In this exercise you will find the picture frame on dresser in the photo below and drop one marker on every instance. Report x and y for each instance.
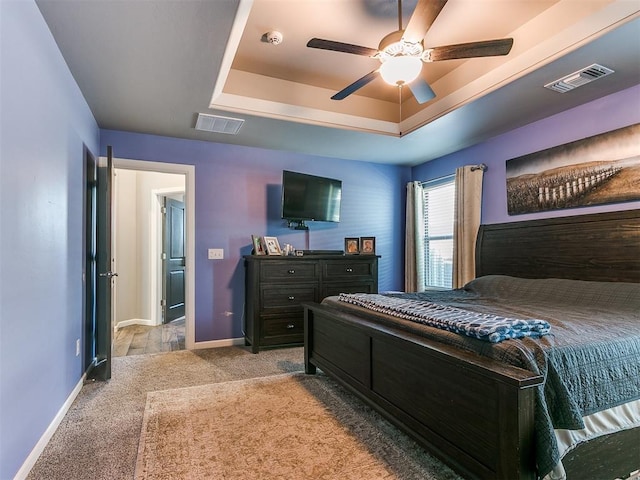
(368, 245)
(272, 246)
(352, 245)
(258, 247)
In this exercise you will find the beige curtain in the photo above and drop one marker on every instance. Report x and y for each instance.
(414, 241)
(468, 208)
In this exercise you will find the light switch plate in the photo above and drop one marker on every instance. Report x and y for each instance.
(216, 253)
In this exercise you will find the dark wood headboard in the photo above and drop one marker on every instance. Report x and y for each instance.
(597, 247)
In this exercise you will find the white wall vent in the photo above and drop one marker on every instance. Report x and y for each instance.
(218, 124)
(579, 78)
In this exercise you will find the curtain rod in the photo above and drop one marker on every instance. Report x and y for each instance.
(480, 166)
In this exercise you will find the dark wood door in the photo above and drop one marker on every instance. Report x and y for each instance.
(90, 271)
(174, 260)
(104, 328)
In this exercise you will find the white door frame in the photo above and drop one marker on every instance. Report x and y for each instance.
(189, 200)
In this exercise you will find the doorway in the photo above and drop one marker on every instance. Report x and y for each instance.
(141, 189)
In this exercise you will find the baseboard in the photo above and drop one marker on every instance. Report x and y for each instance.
(48, 433)
(135, 321)
(228, 342)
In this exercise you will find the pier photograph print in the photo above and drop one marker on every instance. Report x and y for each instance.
(601, 169)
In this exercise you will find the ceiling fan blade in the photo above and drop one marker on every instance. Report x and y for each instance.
(341, 47)
(345, 92)
(488, 48)
(422, 18)
(421, 90)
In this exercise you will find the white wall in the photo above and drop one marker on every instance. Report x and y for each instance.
(127, 264)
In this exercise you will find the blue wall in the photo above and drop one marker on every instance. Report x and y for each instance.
(237, 194)
(603, 115)
(45, 124)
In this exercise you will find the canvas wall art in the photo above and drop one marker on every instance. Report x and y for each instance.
(601, 169)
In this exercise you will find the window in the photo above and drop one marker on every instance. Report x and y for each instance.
(438, 208)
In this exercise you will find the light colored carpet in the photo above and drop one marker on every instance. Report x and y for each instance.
(291, 426)
(99, 437)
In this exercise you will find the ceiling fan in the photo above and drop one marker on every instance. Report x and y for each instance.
(402, 53)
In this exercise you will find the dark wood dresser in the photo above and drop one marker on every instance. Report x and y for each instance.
(276, 286)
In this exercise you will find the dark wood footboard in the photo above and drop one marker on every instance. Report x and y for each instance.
(472, 412)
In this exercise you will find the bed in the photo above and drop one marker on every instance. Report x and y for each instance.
(494, 410)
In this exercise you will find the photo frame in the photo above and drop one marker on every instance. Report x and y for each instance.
(368, 245)
(272, 246)
(352, 245)
(258, 247)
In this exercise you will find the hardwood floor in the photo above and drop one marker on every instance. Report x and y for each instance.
(141, 339)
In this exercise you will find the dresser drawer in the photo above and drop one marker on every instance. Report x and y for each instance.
(282, 330)
(286, 298)
(336, 288)
(288, 271)
(345, 269)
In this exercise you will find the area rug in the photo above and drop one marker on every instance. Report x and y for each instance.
(291, 426)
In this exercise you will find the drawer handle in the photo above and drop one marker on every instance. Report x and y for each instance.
(290, 326)
(292, 271)
(349, 270)
(292, 297)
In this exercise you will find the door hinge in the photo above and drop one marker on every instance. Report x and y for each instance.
(164, 210)
(164, 256)
(162, 303)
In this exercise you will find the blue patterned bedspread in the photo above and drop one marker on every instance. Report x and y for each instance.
(483, 326)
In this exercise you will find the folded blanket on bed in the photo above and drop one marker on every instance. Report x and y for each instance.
(483, 326)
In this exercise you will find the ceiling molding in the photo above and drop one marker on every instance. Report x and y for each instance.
(534, 46)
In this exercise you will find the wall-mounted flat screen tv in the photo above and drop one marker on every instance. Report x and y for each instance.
(308, 197)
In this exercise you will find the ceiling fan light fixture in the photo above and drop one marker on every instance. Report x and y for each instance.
(400, 70)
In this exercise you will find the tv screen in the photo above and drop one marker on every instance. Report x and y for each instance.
(308, 197)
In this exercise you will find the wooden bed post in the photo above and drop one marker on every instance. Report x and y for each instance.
(309, 368)
(518, 432)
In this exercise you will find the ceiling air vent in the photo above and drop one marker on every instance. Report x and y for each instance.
(579, 78)
(218, 124)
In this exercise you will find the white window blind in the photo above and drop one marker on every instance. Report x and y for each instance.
(439, 199)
